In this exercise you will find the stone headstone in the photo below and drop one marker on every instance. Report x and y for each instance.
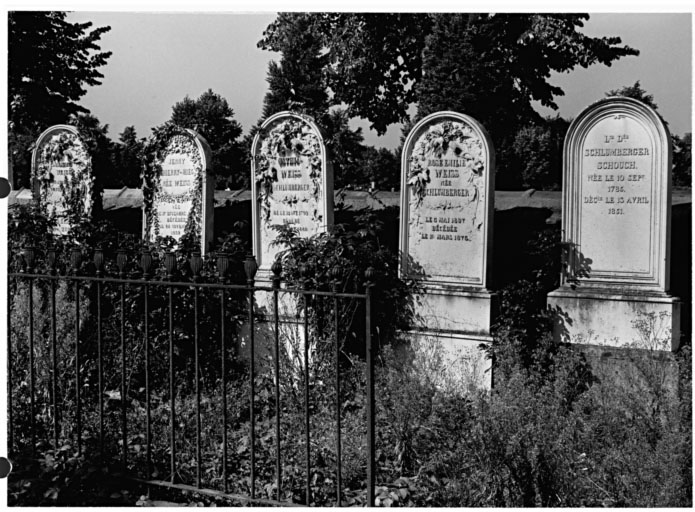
(182, 200)
(63, 177)
(292, 183)
(616, 227)
(447, 200)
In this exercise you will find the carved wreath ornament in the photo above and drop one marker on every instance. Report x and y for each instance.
(290, 137)
(76, 190)
(439, 139)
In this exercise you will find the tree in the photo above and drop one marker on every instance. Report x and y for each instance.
(383, 168)
(296, 83)
(376, 61)
(50, 62)
(491, 66)
(370, 60)
(212, 117)
(682, 160)
(126, 160)
(100, 149)
(345, 150)
(635, 91)
(681, 169)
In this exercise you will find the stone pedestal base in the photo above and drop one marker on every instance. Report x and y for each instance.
(455, 322)
(453, 309)
(291, 342)
(650, 322)
(455, 362)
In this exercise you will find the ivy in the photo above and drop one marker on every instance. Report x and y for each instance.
(165, 139)
(78, 190)
(437, 141)
(289, 137)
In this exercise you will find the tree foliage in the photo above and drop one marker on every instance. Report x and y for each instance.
(296, 83)
(377, 63)
(634, 91)
(125, 160)
(50, 63)
(490, 66)
(683, 160)
(681, 170)
(383, 168)
(211, 116)
(537, 154)
(368, 60)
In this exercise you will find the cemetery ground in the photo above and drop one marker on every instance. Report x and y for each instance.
(558, 428)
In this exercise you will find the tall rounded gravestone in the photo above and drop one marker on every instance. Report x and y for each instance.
(178, 190)
(447, 201)
(616, 230)
(291, 185)
(62, 177)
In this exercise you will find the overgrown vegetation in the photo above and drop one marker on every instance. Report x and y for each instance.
(553, 432)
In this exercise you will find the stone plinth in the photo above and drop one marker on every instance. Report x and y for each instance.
(616, 228)
(455, 362)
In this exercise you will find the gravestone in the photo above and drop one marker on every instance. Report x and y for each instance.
(616, 230)
(182, 199)
(447, 200)
(292, 183)
(62, 177)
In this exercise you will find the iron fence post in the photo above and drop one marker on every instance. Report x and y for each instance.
(251, 267)
(335, 276)
(196, 264)
(277, 272)
(371, 475)
(76, 257)
(223, 270)
(170, 263)
(99, 264)
(54, 347)
(305, 285)
(146, 264)
(29, 254)
(121, 261)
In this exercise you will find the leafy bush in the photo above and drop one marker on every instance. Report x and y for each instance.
(345, 253)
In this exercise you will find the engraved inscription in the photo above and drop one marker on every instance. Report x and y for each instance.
(616, 195)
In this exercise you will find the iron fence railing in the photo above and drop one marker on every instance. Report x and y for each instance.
(53, 367)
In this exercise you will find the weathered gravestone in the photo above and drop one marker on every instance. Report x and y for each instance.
(292, 183)
(447, 198)
(178, 196)
(292, 186)
(62, 176)
(616, 230)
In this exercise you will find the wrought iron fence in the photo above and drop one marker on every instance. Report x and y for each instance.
(127, 331)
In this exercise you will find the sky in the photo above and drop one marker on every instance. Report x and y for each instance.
(160, 57)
